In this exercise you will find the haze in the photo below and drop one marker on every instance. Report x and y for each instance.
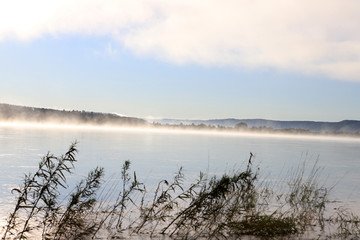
(163, 130)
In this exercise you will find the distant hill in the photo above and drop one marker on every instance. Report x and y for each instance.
(10, 113)
(346, 126)
(42, 115)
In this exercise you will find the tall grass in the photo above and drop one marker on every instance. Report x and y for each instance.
(236, 204)
(37, 204)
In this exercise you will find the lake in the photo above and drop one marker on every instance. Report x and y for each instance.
(156, 154)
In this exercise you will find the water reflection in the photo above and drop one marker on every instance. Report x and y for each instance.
(158, 153)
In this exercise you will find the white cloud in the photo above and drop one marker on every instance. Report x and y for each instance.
(313, 37)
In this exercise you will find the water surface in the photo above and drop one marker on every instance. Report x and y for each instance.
(157, 154)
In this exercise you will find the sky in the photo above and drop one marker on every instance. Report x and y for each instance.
(273, 59)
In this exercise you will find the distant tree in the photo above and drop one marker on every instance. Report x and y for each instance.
(241, 125)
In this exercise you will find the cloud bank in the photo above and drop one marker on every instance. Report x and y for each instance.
(319, 37)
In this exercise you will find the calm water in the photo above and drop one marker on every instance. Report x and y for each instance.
(158, 154)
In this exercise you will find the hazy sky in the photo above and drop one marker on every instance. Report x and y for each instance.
(193, 59)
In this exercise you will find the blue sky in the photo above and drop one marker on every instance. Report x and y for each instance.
(184, 59)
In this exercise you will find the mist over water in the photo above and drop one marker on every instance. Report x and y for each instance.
(158, 153)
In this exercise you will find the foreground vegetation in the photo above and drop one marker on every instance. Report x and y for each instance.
(235, 205)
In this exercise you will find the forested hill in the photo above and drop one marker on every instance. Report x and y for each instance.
(43, 115)
(10, 113)
(345, 126)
